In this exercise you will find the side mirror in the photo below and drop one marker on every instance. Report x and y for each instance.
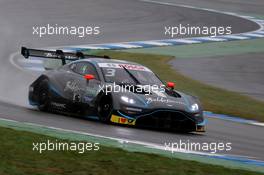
(89, 77)
(171, 85)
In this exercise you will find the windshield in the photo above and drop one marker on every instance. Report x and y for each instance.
(116, 72)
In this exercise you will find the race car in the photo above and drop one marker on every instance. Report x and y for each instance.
(114, 91)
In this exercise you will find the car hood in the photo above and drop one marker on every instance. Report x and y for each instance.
(159, 99)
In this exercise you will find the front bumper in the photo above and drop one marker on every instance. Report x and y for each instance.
(165, 119)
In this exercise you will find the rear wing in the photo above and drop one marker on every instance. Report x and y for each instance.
(57, 54)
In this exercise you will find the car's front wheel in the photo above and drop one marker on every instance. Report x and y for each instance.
(105, 108)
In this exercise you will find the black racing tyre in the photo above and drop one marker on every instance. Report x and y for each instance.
(44, 98)
(105, 108)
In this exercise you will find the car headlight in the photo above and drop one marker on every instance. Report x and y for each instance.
(194, 107)
(127, 100)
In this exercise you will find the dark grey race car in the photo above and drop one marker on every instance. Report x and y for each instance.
(114, 91)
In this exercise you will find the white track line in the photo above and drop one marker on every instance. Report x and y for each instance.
(156, 43)
(188, 41)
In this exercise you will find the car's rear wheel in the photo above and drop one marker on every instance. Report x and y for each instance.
(105, 108)
(44, 98)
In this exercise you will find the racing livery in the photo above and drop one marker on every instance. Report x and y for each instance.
(114, 91)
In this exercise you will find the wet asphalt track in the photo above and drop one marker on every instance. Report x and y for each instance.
(122, 20)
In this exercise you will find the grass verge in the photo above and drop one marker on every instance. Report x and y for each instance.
(17, 157)
(214, 99)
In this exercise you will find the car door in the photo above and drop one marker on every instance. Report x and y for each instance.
(79, 89)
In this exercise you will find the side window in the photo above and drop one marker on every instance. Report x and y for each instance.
(84, 68)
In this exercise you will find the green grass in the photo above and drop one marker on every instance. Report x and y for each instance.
(17, 158)
(214, 99)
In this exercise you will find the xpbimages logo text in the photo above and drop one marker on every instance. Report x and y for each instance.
(190, 146)
(51, 145)
(175, 31)
(78, 31)
(148, 89)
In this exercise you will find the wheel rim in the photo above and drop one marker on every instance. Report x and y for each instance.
(105, 109)
(43, 99)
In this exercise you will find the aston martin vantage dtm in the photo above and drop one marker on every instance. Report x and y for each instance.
(114, 91)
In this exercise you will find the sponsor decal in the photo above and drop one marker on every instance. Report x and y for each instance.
(122, 120)
(72, 86)
(163, 100)
(122, 65)
(58, 105)
(200, 128)
(51, 55)
(160, 93)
